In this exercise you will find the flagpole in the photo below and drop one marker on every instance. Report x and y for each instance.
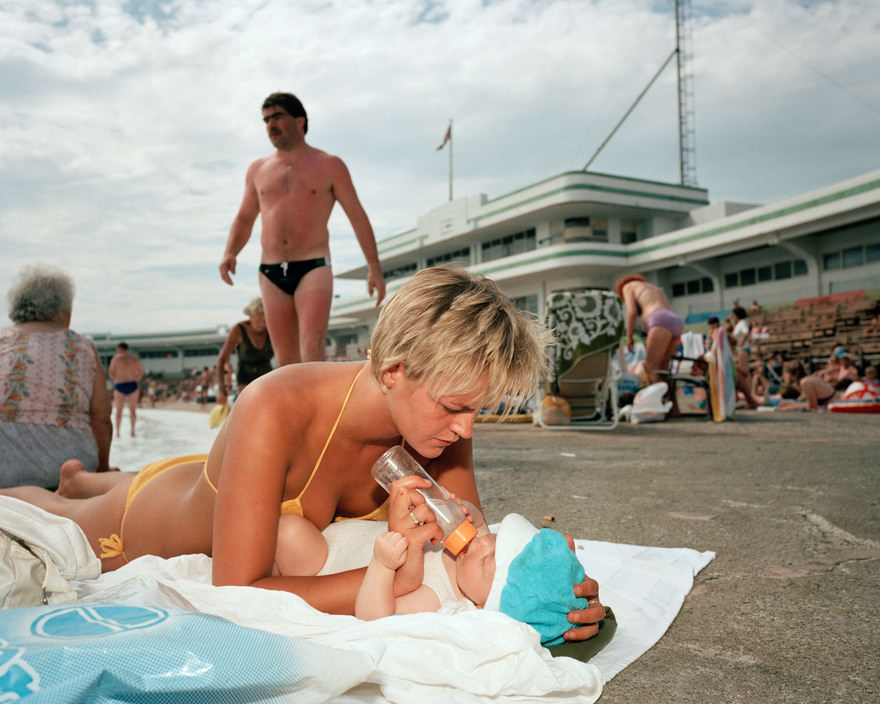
(450, 158)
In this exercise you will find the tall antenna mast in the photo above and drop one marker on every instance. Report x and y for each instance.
(687, 148)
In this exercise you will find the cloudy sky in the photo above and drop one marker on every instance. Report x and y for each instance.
(126, 126)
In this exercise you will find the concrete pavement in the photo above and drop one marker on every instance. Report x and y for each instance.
(789, 611)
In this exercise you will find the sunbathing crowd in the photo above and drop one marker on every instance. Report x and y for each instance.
(776, 381)
(791, 383)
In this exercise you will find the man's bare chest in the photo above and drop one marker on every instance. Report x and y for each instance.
(300, 182)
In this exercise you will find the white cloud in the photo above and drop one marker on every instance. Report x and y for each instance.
(126, 127)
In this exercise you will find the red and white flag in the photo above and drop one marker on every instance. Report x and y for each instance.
(446, 137)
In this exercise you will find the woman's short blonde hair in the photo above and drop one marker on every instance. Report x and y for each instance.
(449, 328)
(254, 307)
(40, 292)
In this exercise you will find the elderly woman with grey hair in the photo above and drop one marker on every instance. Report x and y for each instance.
(54, 405)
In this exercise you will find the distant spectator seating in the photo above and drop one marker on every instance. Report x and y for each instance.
(813, 327)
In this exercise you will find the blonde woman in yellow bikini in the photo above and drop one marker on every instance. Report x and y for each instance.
(303, 438)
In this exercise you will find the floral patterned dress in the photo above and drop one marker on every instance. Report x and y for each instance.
(46, 384)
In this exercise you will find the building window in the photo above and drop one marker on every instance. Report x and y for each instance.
(778, 271)
(853, 256)
(400, 272)
(628, 231)
(527, 303)
(694, 287)
(509, 245)
(202, 352)
(459, 256)
(782, 270)
(831, 261)
(594, 229)
(154, 354)
(600, 228)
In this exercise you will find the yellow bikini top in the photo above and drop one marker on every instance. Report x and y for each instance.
(380, 513)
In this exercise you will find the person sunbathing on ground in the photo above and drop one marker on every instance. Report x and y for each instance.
(831, 369)
(760, 387)
(816, 393)
(303, 438)
(847, 372)
(785, 392)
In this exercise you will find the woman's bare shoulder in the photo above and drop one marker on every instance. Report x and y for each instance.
(301, 389)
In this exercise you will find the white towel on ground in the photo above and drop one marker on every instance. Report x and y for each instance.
(471, 656)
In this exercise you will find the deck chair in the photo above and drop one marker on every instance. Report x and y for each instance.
(718, 381)
(588, 326)
(689, 368)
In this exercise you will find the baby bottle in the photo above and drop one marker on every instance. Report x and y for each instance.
(397, 463)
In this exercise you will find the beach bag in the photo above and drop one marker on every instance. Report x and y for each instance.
(648, 405)
(555, 410)
(40, 553)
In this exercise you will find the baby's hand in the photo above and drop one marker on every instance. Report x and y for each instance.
(390, 550)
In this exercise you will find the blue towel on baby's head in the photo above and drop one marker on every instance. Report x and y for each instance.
(539, 589)
(535, 572)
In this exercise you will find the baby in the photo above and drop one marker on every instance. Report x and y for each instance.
(527, 573)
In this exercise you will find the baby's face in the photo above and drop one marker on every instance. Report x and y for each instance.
(475, 569)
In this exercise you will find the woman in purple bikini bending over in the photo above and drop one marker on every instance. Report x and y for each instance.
(662, 325)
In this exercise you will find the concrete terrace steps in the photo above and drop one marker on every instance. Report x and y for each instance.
(814, 327)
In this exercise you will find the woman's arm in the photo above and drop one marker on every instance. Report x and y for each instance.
(232, 341)
(632, 313)
(99, 417)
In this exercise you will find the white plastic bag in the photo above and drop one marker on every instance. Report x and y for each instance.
(648, 406)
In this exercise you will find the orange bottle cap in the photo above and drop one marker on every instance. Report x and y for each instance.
(458, 539)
